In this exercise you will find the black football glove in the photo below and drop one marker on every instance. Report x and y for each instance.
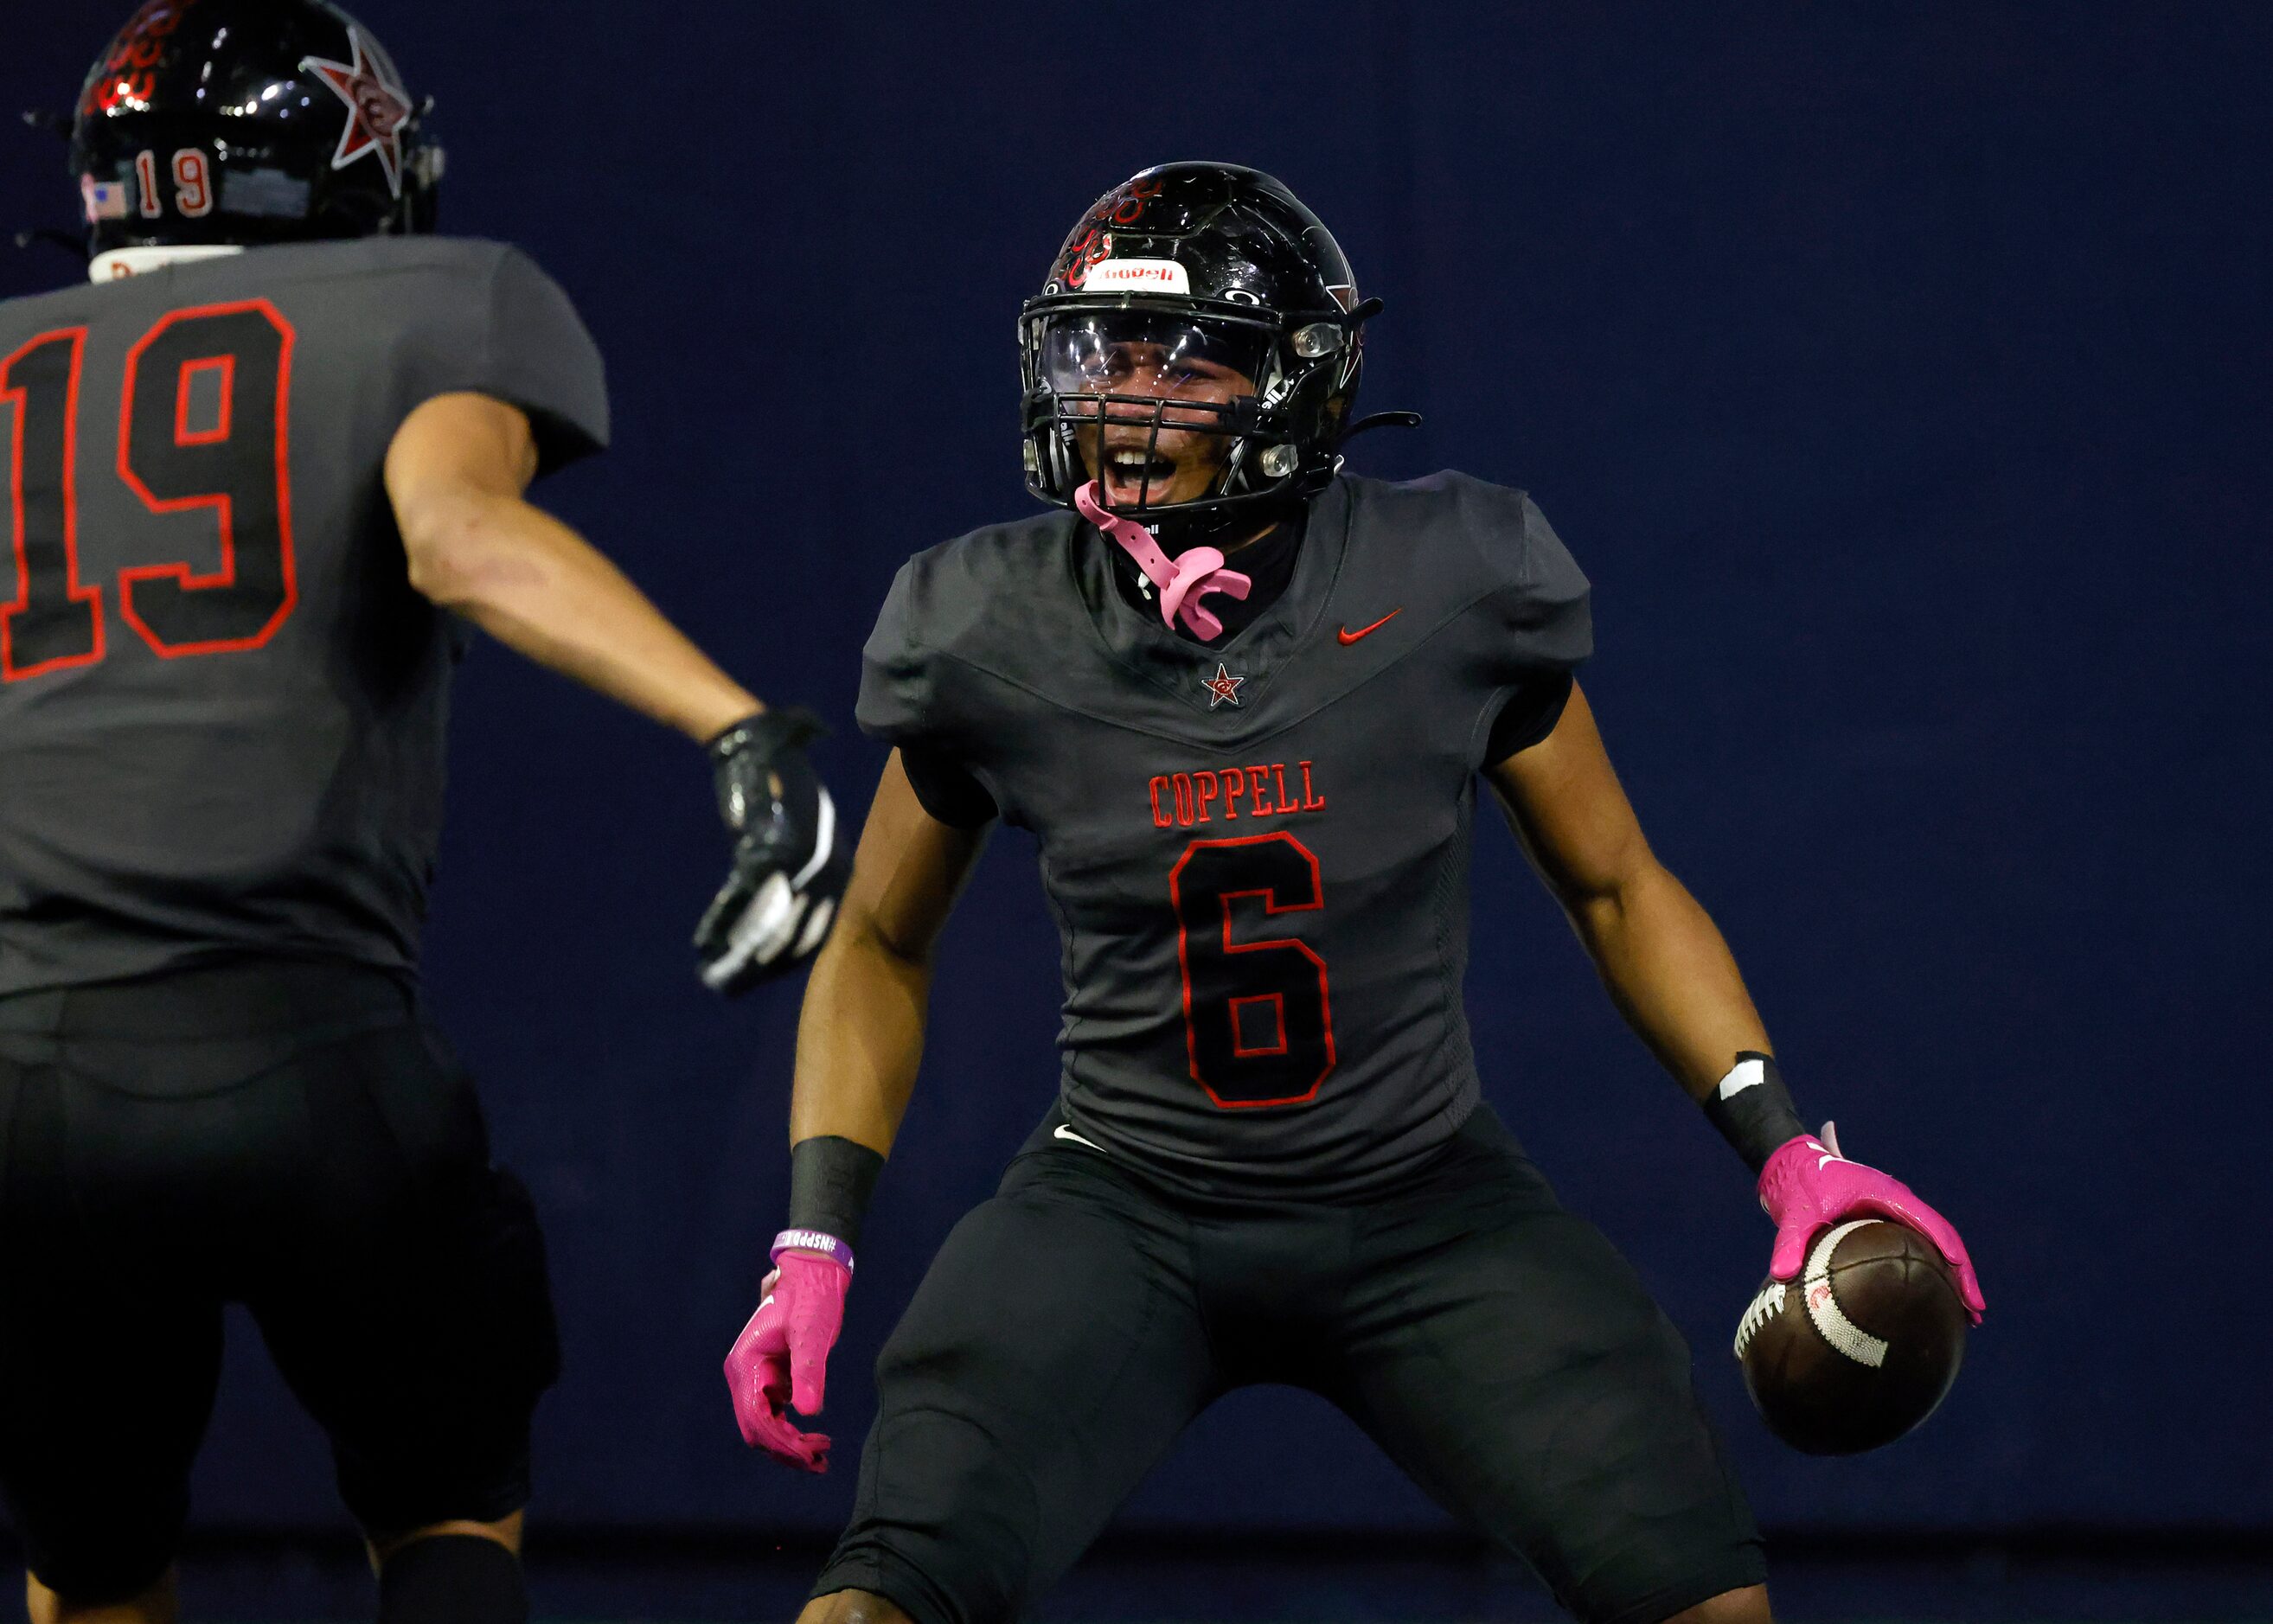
(791, 858)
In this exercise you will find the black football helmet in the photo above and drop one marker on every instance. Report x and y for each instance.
(1219, 263)
(249, 121)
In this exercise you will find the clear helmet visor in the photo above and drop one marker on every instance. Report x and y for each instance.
(1122, 362)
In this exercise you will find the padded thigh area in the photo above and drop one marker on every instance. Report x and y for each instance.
(292, 1137)
(1052, 1355)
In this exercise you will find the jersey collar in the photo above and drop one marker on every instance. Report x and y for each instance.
(1136, 640)
(119, 263)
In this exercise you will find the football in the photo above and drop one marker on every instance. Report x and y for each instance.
(1862, 1347)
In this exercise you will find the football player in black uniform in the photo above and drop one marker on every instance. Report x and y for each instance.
(1241, 700)
(253, 469)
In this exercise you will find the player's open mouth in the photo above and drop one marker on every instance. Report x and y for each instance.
(1128, 471)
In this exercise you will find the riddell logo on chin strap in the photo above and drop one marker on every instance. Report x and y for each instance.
(1180, 800)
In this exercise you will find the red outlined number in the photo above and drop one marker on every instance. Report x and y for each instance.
(1258, 1014)
(202, 428)
(53, 622)
(236, 465)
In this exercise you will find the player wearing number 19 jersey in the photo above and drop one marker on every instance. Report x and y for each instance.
(254, 467)
(1241, 700)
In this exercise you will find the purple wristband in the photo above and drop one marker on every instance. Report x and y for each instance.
(811, 1241)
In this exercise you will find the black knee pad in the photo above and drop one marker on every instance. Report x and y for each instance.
(453, 1579)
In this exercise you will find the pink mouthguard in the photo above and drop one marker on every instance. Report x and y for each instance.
(1182, 581)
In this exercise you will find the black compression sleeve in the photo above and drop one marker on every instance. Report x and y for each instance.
(1752, 1108)
(946, 790)
(1528, 715)
(829, 1182)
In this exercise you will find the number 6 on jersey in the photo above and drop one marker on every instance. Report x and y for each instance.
(1257, 1015)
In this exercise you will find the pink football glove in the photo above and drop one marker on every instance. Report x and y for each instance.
(1808, 1185)
(780, 1362)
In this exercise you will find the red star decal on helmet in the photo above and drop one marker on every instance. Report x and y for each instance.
(1222, 687)
(377, 107)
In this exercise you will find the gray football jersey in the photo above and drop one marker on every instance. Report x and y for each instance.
(1257, 853)
(221, 705)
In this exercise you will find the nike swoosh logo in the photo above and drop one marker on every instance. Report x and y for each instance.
(1349, 637)
(1066, 1133)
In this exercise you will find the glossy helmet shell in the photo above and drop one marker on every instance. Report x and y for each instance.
(1250, 252)
(263, 121)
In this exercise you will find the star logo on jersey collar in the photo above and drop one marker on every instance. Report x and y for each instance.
(377, 107)
(1222, 687)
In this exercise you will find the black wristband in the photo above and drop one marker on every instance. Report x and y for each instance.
(1752, 1108)
(829, 1182)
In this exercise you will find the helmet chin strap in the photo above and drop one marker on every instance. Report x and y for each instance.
(1182, 580)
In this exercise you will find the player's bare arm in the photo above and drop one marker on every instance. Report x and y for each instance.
(859, 1041)
(456, 472)
(859, 1037)
(1663, 961)
(1672, 978)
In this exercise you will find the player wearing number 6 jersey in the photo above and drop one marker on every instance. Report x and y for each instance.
(253, 469)
(1241, 700)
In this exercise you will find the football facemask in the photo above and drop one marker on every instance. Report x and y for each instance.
(1155, 403)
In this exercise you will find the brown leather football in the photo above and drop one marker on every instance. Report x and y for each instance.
(1860, 1347)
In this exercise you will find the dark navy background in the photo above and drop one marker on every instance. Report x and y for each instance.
(1898, 375)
